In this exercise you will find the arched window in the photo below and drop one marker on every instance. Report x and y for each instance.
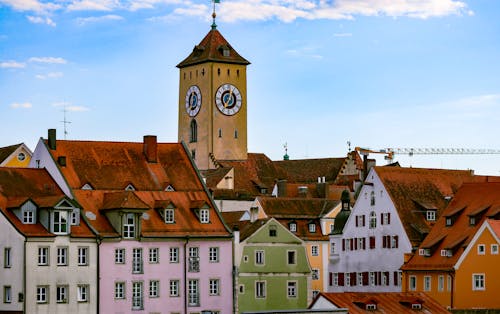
(373, 220)
(372, 198)
(194, 132)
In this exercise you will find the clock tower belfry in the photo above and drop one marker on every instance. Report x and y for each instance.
(213, 102)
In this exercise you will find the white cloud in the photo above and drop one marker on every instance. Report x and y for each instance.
(304, 52)
(342, 35)
(12, 65)
(97, 19)
(53, 60)
(31, 5)
(25, 105)
(94, 5)
(49, 75)
(69, 107)
(41, 20)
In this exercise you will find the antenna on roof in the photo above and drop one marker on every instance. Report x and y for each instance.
(348, 146)
(214, 26)
(65, 122)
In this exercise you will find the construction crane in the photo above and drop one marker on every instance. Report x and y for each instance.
(390, 152)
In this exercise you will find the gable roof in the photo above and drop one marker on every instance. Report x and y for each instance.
(19, 185)
(5, 152)
(309, 170)
(114, 165)
(210, 49)
(413, 190)
(284, 207)
(386, 302)
(469, 198)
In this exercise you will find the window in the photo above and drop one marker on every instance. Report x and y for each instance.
(347, 279)
(335, 280)
(193, 154)
(137, 295)
(481, 249)
(7, 294)
(260, 289)
(241, 289)
(373, 220)
(29, 216)
(62, 294)
(372, 198)
(193, 292)
(440, 283)
(220, 132)
(449, 221)
(194, 259)
(129, 226)
(372, 278)
(360, 279)
(312, 227)
(413, 283)
(394, 242)
(235, 133)
(315, 293)
(259, 257)
(494, 249)
(119, 256)
(82, 293)
(360, 221)
(213, 255)
(448, 284)
(174, 255)
(430, 215)
(291, 257)
(154, 287)
(213, 287)
(314, 250)
(293, 227)
(60, 222)
(83, 253)
(291, 289)
(62, 256)
(74, 217)
(204, 216)
(472, 220)
(478, 282)
(41, 294)
(386, 218)
(427, 283)
(315, 274)
(137, 264)
(119, 290)
(169, 216)
(43, 256)
(7, 263)
(272, 231)
(174, 288)
(154, 255)
(193, 134)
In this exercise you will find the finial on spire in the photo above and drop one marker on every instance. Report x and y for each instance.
(286, 157)
(214, 26)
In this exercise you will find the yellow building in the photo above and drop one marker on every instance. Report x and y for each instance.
(18, 155)
(457, 263)
(213, 102)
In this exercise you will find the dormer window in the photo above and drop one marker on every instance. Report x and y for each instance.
(87, 187)
(60, 222)
(204, 216)
(449, 221)
(430, 215)
(312, 227)
(75, 217)
(169, 188)
(129, 226)
(169, 216)
(371, 307)
(28, 213)
(293, 227)
(416, 306)
(472, 220)
(130, 187)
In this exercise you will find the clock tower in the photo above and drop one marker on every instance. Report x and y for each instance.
(213, 102)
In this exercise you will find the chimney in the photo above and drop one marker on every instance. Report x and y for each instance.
(321, 189)
(52, 139)
(150, 148)
(282, 188)
(236, 234)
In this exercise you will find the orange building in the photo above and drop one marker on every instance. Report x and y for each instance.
(457, 263)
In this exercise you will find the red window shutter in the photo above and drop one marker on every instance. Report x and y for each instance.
(386, 274)
(357, 221)
(365, 278)
(376, 278)
(353, 279)
(343, 244)
(330, 279)
(383, 242)
(341, 279)
(379, 278)
(395, 278)
(356, 243)
(372, 242)
(363, 220)
(364, 243)
(381, 218)
(352, 244)
(388, 218)
(396, 240)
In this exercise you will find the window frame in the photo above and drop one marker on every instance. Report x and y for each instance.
(292, 289)
(214, 286)
(154, 288)
(82, 293)
(260, 257)
(291, 257)
(204, 216)
(128, 228)
(7, 294)
(174, 287)
(169, 215)
(372, 220)
(430, 215)
(120, 256)
(42, 294)
(193, 292)
(174, 254)
(120, 290)
(478, 282)
(60, 220)
(83, 256)
(213, 254)
(137, 295)
(62, 256)
(494, 249)
(481, 249)
(154, 255)
(315, 274)
(412, 283)
(62, 294)
(260, 289)
(314, 250)
(7, 257)
(427, 283)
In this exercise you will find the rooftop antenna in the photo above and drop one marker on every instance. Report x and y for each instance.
(65, 122)
(214, 26)
(348, 146)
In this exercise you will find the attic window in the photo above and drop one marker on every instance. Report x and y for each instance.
(430, 215)
(130, 187)
(447, 253)
(371, 307)
(21, 156)
(169, 188)
(60, 222)
(312, 227)
(424, 252)
(29, 213)
(293, 227)
(272, 231)
(87, 187)
(204, 216)
(472, 220)
(224, 50)
(169, 215)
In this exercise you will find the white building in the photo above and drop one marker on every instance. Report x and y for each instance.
(394, 211)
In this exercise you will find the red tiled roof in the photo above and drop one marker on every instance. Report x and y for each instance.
(284, 207)
(495, 225)
(18, 185)
(470, 198)
(387, 302)
(410, 187)
(122, 200)
(308, 170)
(303, 229)
(210, 49)
(113, 165)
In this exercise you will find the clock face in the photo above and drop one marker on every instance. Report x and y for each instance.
(228, 99)
(193, 100)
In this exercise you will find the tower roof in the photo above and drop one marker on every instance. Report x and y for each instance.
(213, 48)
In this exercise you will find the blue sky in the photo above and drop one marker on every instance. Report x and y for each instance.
(376, 73)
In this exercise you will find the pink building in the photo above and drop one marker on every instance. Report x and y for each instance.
(163, 246)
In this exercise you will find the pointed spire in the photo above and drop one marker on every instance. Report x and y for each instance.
(214, 26)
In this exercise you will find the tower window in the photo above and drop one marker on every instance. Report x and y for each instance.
(190, 74)
(235, 133)
(202, 72)
(220, 132)
(218, 71)
(193, 136)
(228, 72)
(238, 73)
